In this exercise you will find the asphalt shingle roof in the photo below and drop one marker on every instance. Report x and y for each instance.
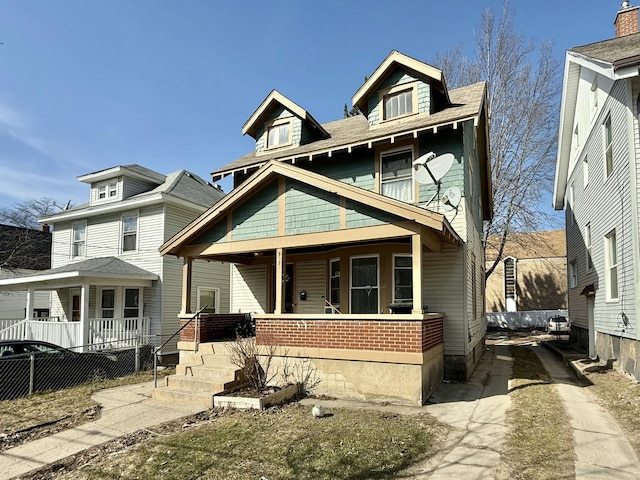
(616, 51)
(466, 102)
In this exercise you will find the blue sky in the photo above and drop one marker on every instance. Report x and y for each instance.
(86, 85)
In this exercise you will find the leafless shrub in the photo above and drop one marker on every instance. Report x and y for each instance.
(300, 370)
(255, 360)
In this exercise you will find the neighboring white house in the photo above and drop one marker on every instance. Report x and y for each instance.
(597, 175)
(106, 265)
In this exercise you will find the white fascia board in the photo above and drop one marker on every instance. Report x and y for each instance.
(567, 114)
(63, 278)
(598, 66)
(96, 210)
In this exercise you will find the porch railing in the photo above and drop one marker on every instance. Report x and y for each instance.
(118, 332)
(104, 332)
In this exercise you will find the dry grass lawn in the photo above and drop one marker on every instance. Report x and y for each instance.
(539, 444)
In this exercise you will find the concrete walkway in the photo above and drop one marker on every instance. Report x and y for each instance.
(475, 409)
(602, 450)
(124, 410)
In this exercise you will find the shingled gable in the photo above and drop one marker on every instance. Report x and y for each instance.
(391, 63)
(274, 99)
(424, 218)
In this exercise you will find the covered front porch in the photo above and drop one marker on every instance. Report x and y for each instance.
(94, 304)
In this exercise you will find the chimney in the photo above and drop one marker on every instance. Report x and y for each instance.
(45, 228)
(626, 20)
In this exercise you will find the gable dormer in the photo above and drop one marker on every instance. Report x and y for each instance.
(279, 123)
(121, 182)
(401, 86)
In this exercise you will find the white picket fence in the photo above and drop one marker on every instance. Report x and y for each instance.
(104, 333)
(521, 320)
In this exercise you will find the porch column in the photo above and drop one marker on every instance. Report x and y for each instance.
(29, 306)
(416, 270)
(280, 271)
(84, 316)
(187, 270)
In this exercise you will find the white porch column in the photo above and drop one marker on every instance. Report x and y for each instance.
(416, 270)
(187, 271)
(84, 316)
(28, 309)
(280, 271)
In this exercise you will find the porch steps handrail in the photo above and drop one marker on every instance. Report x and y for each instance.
(157, 349)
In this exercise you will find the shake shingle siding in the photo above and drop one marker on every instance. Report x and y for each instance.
(258, 216)
(309, 209)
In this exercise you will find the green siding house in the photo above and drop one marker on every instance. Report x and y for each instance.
(356, 244)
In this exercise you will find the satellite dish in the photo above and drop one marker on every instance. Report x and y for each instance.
(451, 198)
(430, 169)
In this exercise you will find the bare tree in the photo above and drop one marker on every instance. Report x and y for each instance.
(523, 96)
(22, 244)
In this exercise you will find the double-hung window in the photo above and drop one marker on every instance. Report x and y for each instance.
(108, 303)
(208, 297)
(396, 174)
(611, 258)
(107, 190)
(587, 242)
(573, 274)
(402, 279)
(608, 147)
(364, 285)
(129, 233)
(585, 171)
(279, 134)
(78, 240)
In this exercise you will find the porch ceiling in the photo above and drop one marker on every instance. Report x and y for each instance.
(95, 271)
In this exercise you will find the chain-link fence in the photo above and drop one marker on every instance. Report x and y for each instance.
(30, 366)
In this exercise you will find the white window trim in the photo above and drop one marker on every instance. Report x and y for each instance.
(609, 266)
(393, 274)
(140, 301)
(606, 147)
(110, 186)
(585, 171)
(515, 280)
(414, 192)
(117, 301)
(339, 276)
(216, 307)
(588, 244)
(73, 242)
(573, 274)
(395, 89)
(377, 287)
(122, 217)
(276, 123)
(571, 203)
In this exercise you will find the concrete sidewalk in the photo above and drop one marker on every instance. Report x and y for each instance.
(124, 410)
(602, 450)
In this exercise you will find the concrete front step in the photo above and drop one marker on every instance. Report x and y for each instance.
(196, 384)
(175, 395)
(214, 373)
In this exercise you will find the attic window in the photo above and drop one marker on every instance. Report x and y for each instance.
(399, 101)
(107, 190)
(279, 134)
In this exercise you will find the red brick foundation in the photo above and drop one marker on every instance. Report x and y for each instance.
(379, 335)
(211, 327)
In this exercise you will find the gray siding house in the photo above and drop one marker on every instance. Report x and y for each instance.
(109, 283)
(597, 183)
(356, 243)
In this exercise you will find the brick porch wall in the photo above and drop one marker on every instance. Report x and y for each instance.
(211, 327)
(411, 335)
